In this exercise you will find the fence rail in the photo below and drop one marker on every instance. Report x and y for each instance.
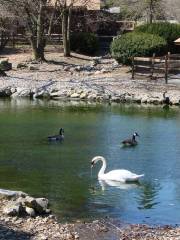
(148, 66)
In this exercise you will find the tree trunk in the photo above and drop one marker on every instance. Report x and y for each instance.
(151, 11)
(65, 31)
(36, 32)
(38, 52)
(52, 18)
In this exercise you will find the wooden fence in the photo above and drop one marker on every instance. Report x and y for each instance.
(167, 66)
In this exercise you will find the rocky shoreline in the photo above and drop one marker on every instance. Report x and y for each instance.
(99, 80)
(17, 224)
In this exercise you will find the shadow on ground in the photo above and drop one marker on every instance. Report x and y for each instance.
(7, 233)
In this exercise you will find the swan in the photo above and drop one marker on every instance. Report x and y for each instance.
(120, 175)
(131, 141)
(59, 137)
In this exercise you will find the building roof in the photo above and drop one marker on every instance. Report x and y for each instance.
(177, 41)
(89, 4)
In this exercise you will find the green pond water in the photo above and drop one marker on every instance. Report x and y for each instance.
(61, 171)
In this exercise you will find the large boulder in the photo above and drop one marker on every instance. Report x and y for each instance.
(11, 194)
(5, 65)
(13, 209)
(22, 92)
(5, 92)
(38, 204)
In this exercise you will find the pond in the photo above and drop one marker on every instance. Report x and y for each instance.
(61, 171)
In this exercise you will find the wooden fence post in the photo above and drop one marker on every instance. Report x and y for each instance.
(167, 67)
(133, 68)
(152, 65)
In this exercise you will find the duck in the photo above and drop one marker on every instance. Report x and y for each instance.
(59, 137)
(119, 175)
(131, 141)
(166, 100)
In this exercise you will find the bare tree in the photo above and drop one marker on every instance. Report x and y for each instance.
(148, 10)
(65, 7)
(32, 14)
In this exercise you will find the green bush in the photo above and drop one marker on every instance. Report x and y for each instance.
(84, 42)
(124, 47)
(169, 31)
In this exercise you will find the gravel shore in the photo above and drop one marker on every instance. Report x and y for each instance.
(82, 78)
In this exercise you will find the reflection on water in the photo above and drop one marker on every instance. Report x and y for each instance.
(120, 185)
(148, 194)
(61, 172)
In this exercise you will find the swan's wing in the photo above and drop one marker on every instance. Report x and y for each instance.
(122, 175)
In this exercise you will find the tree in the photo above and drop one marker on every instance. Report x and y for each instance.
(148, 10)
(65, 8)
(33, 15)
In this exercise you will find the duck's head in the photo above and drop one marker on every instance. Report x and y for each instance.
(164, 94)
(136, 134)
(61, 131)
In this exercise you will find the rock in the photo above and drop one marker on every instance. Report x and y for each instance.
(5, 92)
(66, 68)
(33, 68)
(41, 205)
(13, 209)
(41, 94)
(175, 100)
(30, 211)
(38, 204)
(57, 94)
(107, 97)
(13, 90)
(128, 98)
(48, 211)
(92, 96)
(115, 99)
(75, 95)
(21, 92)
(83, 95)
(103, 70)
(78, 68)
(29, 201)
(5, 65)
(11, 194)
(97, 72)
(94, 62)
(21, 66)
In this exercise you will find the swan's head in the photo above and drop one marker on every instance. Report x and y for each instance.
(95, 160)
(61, 131)
(136, 134)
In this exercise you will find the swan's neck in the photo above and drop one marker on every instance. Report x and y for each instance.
(103, 168)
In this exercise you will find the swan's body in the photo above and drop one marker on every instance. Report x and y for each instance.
(59, 137)
(131, 141)
(119, 175)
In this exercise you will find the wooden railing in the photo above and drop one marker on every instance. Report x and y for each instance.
(165, 66)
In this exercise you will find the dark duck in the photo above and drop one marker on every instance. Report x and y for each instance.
(59, 137)
(166, 100)
(131, 141)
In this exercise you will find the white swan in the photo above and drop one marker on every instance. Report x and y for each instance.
(120, 175)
